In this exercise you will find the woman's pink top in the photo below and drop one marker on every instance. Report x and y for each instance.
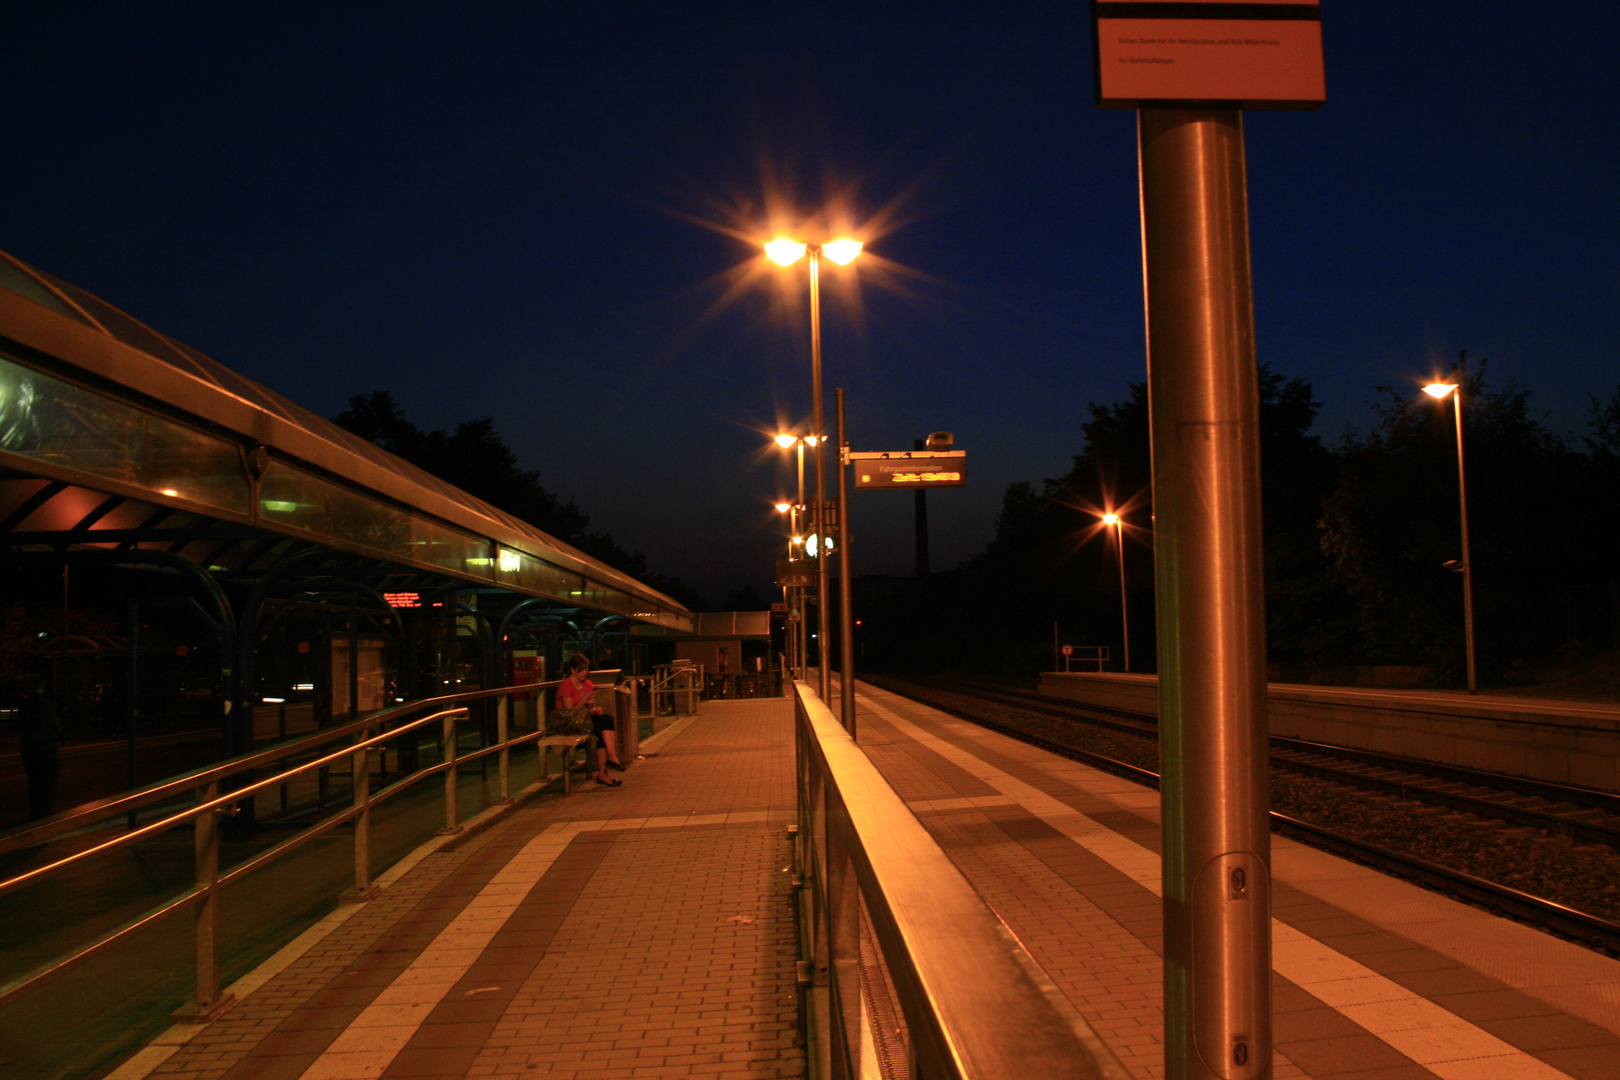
(570, 698)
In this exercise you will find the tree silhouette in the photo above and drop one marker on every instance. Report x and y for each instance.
(477, 460)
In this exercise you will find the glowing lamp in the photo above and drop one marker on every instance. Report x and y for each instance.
(843, 251)
(785, 252)
(782, 508)
(1439, 390)
(1110, 519)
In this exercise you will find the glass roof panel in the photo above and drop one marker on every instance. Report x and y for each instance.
(126, 329)
(25, 285)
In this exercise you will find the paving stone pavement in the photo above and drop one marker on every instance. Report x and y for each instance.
(635, 931)
(1373, 978)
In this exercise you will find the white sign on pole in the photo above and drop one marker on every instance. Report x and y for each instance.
(1262, 54)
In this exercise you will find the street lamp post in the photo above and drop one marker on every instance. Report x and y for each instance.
(792, 510)
(1440, 391)
(786, 253)
(1118, 524)
(785, 441)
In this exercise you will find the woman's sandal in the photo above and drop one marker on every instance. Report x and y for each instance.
(615, 766)
(609, 783)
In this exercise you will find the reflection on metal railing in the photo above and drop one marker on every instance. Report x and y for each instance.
(371, 733)
(975, 1005)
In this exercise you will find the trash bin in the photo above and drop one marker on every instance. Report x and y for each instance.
(624, 718)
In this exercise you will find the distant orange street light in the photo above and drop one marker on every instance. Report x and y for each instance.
(1118, 524)
(1440, 391)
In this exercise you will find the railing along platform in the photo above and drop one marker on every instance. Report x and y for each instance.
(214, 793)
(976, 1006)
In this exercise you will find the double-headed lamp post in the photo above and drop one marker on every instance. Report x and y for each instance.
(1118, 525)
(785, 253)
(1440, 391)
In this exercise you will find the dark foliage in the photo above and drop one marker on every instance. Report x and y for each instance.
(1355, 538)
(477, 460)
(1540, 520)
(1052, 560)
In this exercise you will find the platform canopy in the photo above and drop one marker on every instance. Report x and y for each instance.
(116, 436)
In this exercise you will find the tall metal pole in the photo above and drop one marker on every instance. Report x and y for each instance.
(1124, 609)
(846, 615)
(1204, 408)
(1467, 562)
(798, 590)
(818, 518)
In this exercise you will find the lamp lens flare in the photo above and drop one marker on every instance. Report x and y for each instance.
(1439, 390)
(785, 252)
(1110, 519)
(785, 441)
(782, 508)
(843, 251)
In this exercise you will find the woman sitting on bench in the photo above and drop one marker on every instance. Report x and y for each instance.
(578, 692)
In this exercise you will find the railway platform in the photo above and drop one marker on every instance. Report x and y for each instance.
(648, 930)
(639, 930)
(1374, 979)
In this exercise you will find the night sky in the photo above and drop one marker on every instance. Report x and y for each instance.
(548, 213)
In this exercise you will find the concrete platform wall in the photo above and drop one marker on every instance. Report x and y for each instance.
(1563, 742)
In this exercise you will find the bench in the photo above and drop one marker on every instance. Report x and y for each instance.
(563, 746)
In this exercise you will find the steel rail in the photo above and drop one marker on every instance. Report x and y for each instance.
(1593, 931)
(1484, 807)
(1136, 722)
(1596, 832)
(1462, 774)
(1586, 929)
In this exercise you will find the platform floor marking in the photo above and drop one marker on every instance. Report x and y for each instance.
(369, 1045)
(1435, 1038)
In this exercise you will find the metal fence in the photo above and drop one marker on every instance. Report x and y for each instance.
(217, 791)
(972, 1002)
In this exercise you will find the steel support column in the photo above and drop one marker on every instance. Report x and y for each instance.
(1204, 404)
(846, 609)
(823, 677)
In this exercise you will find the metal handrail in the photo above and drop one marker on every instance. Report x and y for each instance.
(223, 801)
(79, 817)
(204, 785)
(976, 1005)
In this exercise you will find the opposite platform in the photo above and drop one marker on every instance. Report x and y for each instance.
(1374, 979)
(640, 930)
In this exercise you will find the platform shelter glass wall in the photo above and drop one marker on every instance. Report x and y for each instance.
(50, 420)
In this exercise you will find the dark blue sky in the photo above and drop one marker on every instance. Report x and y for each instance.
(546, 213)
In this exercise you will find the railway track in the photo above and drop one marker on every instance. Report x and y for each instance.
(1523, 809)
(1581, 813)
